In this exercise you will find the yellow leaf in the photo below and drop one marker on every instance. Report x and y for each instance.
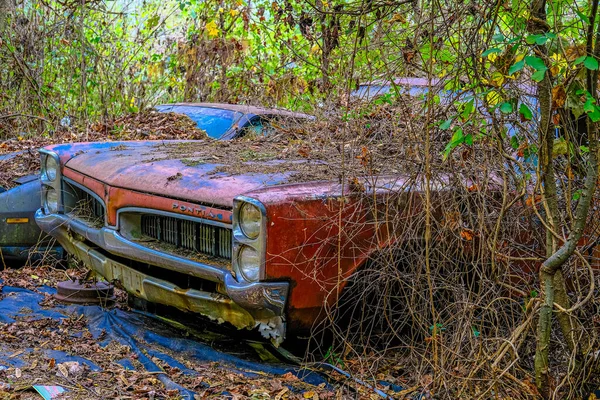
(221, 10)
(35, 277)
(497, 79)
(492, 57)
(519, 57)
(493, 98)
(397, 17)
(233, 13)
(212, 29)
(309, 394)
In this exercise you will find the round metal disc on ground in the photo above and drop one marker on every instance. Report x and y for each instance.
(84, 293)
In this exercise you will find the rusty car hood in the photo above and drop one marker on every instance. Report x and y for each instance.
(149, 167)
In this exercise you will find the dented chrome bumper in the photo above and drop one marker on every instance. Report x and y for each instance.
(243, 304)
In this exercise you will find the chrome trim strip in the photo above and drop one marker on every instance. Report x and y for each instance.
(111, 241)
(118, 245)
(141, 210)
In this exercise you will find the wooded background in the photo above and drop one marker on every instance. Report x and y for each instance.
(512, 98)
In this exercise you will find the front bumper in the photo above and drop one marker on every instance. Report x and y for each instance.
(244, 305)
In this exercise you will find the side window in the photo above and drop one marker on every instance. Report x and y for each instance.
(259, 127)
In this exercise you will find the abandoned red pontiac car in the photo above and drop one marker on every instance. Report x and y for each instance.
(252, 248)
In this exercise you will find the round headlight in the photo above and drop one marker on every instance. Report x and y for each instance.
(250, 220)
(249, 263)
(51, 201)
(51, 168)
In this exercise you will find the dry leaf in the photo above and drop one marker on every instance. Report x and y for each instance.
(281, 393)
(63, 370)
(16, 354)
(18, 372)
(467, 234)
(559, 96)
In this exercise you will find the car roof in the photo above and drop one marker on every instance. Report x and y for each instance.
(402, 82)
(245, 109)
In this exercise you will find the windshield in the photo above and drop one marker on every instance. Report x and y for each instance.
(215, 121)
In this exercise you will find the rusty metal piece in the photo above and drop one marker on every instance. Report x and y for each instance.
(79, 293)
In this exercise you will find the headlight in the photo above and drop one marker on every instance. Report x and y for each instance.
(250, 220)
(51, 201)
(51, 168)
(249, 263)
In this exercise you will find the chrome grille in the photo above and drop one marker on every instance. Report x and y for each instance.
(190, 235)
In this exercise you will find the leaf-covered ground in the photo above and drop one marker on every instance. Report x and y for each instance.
(31, 340)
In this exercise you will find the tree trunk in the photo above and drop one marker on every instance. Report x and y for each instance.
(551, 271)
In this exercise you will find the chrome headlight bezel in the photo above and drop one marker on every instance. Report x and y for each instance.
(241, 239)
(250, 228)
(50, 168)
(50, 184)
(50, 209)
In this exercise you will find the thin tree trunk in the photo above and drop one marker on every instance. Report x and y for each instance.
(551, 277)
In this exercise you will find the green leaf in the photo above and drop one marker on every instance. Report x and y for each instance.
(457, 139)
(590, 63)
(595, 115)
(584, 149)
(535, 63)
(446, 124)
(577, 195)
(525, 112)
(531, 39)
(506, 108)
(514, 142)
(551, 35)
(469, 140)
(498, 37)
(152, 21)
(538, 76)
(541, 40)
(583, 17)
(516, 67)
(467, 110)
(491, 51)
(579, 60)
(589, 104)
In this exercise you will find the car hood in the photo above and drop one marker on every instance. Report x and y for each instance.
(153, 167)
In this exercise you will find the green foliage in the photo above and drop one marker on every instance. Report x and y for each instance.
(525, 112)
